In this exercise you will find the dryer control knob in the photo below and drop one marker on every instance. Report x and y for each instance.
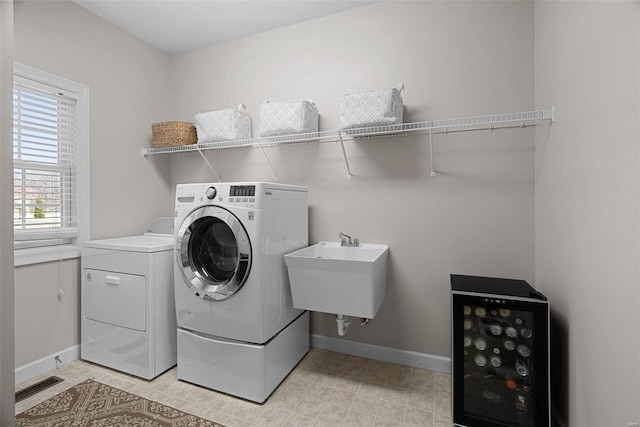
(211, 193)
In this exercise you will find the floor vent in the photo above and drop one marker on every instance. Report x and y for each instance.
(37, 388)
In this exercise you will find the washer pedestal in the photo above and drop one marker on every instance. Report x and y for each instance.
(249, 371)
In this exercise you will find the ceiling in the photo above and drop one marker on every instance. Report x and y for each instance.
(179, 26)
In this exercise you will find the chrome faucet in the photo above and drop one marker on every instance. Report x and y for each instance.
(344, 242)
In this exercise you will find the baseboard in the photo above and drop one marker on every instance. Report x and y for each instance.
(371, 351)
(46, 364)
(385, 354)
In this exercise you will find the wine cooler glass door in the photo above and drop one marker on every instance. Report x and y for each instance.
(500, 361)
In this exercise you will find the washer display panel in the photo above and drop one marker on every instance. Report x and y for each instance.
(214, 253)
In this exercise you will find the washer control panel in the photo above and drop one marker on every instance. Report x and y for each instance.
(246, 195)
(242, 194)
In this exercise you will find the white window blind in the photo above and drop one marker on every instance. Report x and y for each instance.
(45, 160)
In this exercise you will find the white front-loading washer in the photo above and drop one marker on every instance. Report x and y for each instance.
(237, 329)
(128, 320)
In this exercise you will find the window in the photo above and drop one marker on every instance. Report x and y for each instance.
(50, 152)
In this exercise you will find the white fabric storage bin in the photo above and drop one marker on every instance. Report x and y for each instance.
(223, 125)
(381, 107)
(288, 117)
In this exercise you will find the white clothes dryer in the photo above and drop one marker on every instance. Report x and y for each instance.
(233, 301)
(128, 318)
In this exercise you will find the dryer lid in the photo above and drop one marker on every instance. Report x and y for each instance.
(142, 243)
(158, 237)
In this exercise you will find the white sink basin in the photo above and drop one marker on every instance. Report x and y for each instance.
(336, 279)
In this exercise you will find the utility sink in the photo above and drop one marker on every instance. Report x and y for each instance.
(343, 280)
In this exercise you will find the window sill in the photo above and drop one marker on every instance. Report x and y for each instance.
(39, 255)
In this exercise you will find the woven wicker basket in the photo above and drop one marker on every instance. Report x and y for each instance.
(167, 134)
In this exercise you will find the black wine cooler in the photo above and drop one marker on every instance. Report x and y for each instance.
(500, 353)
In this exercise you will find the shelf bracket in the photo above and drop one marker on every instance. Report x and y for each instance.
(209, 164)
(549, 114)
(275, 174)
(344, 154)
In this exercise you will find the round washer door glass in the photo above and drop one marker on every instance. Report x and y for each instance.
(214, 253)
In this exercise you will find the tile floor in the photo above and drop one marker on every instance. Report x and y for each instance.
(325, 389)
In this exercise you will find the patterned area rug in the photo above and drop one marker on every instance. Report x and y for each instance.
(91, 403)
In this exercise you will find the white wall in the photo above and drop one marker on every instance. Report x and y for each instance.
(587, 218)
(6, 213)
(46, 323)
(456, 59)
(129, 89)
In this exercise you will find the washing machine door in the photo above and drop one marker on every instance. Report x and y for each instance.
(213, 252)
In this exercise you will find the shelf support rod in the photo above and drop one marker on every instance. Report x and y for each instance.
(209, 164)
(275, 174)
(344, 154)
(433, 170)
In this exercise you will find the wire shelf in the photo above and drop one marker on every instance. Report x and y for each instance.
(432, 127)
(488, 122)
